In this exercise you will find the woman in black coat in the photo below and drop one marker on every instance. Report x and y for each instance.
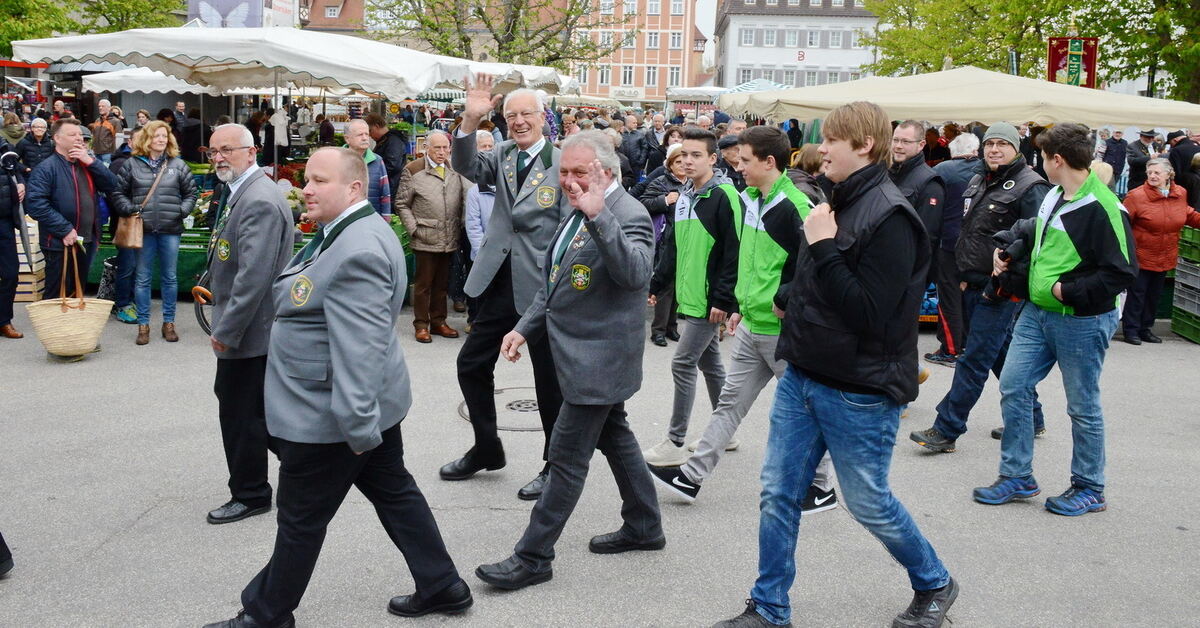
(654, 158)
(659, 197)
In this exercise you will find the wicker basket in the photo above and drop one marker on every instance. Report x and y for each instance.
(69, 327)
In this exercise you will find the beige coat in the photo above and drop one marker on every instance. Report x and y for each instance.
(432, 207)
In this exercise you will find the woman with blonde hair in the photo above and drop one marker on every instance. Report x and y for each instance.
(803, 171)
(157, 184)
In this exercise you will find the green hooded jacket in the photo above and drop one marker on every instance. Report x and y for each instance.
(769, 237)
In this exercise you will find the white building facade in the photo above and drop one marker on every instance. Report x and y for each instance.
(793, 42)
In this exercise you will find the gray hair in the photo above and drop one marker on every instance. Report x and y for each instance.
(1163, 163)
(38, 122)
(480, 134)
(244, 133)
(964, 144)
(538, 95)
(432, 132)
(359, 121)
(600, 145)
(614, 135)
(105, 101)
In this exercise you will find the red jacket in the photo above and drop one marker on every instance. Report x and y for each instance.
(1157, 221)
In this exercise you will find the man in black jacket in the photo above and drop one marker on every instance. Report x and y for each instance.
(1141, 152)
(850, 342)
(12, 191)
(1010, 190)
(390, 144)
(1180, 156)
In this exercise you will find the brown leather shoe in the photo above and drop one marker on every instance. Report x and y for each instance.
(143, 335)
(422, 335)
(8, 331)
(168, 332)
(460, 306)
(445, 331)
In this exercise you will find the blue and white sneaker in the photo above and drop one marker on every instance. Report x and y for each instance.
(127, 314)
(1076, 501)
(1004, 490)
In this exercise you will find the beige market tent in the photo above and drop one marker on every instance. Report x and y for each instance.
(966, 94)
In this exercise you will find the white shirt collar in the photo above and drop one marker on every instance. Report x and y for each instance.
(431, 164)
(536, 149)
(345, 212)
(612, 187)
(237, 183)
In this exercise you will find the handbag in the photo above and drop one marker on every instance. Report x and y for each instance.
(69, 326)
(129, 228)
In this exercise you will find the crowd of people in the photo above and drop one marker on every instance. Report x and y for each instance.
(557, 231)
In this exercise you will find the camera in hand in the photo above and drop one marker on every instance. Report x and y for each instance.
(9, 162)
(1013, 282)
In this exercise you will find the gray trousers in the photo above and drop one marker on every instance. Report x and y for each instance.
(752, 364)
(578, 432)
(698, 348)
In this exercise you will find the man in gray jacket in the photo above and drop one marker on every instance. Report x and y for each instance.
(333, 420)
(589, 308)
(507, 270)
(251, 243)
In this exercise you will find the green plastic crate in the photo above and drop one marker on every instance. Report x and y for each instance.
(1186, 325)
(1189, 251)
(1190, 235)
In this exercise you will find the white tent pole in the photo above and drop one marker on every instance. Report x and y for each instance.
(275, 140)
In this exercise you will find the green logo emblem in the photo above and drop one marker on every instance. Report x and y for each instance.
(546, 196)
(223, 249)
(581, 277)
(301, 290)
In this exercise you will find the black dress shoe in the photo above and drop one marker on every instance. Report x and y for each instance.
(659, 339)
(511, 575)
(533, 490)
(244, 620)
(233, 510)
(1132, 339)
(455, 598)
(469, 465)
(6, 566)
(1148, 336)
(672, 335)
(617, 542)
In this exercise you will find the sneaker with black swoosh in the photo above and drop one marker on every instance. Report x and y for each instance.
(817, 500)
(674, 479)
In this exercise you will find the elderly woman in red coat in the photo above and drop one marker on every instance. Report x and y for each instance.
(1158, 211)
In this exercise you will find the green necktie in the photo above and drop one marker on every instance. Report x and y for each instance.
(222, 217)
(522, 157)
(310, 249)
(568, 236)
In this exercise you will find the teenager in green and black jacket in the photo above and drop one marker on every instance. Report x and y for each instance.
(701, 256)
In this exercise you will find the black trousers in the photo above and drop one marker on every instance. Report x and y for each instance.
(54, 268)
(239, 389)
(5, 553)
(950, 330)
(477, 369)
(8, 270)
(313, 481)
(1141, 303)
(579, 432)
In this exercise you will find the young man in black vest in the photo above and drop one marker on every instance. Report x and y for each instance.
(850, 340)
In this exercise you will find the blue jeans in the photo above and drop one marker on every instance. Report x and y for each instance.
(1078, 345)
(859, 431)
(990, 326)
(127, 264)
(164, 249)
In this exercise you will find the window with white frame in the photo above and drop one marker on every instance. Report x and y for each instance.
(673, 74)
(333, 12)
(606, 39)
(581, 74)
(630, 41)
(833, 77)
(751, 2)
(839, 3)
(630, 7)
(789, 77)
(772, 3)
(652, 41)
(793, 3)
(854, 76)
(653, 7)
(815, 3)
(769, 37)
(627, 75)
(859, 3)
(814, 39)
(856, 39)
(676, 41)
(810, 78)
(605, 77)
(606, 6)
(747, 36)
(745, 74)
(791, 39)
(651, 76)
(676, 7)
(835, 39)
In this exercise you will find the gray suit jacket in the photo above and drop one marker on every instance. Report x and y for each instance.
(595, 311)
(523, 220)
(253, 246)
(335, 369)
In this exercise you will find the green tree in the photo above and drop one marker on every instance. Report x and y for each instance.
(1155, 38)
(30, 19)
(555, 33)
(110, 16)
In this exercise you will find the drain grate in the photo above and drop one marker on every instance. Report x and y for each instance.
(517, 410)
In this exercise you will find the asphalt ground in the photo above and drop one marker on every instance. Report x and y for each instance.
(109, 465)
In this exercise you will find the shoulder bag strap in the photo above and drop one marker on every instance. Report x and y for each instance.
(153, 186)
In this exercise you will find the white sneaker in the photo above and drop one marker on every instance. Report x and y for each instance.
(666, 454)
(732, 445)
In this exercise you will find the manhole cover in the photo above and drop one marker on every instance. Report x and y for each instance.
(516, 410)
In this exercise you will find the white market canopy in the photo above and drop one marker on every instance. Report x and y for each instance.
(967, 94)
(756, 85)
(694, 94)
(588, 101)
(230, 58)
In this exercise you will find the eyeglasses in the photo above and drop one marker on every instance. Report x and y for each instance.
(226, 152)
(526, 115)
(899, 140)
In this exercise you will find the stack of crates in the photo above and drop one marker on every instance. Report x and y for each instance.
(31, 272)
(1185, 315)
